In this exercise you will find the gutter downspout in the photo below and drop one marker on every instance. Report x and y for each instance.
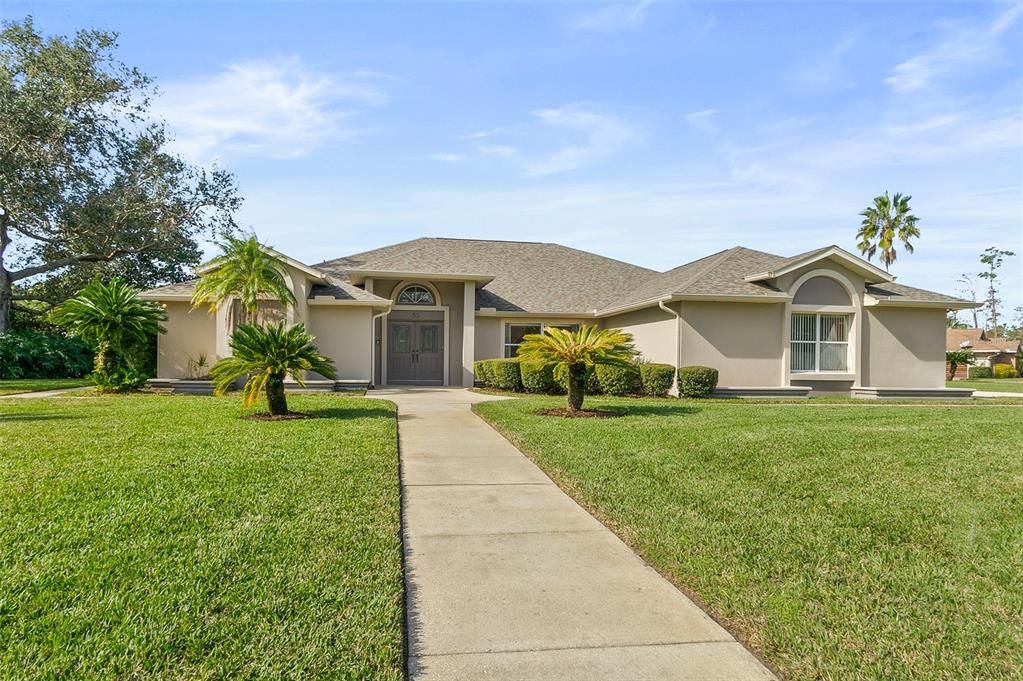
(678, 340)
(373, 345)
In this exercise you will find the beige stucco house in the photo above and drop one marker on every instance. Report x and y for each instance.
(421, 312)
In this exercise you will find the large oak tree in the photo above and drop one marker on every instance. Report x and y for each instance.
(86, 181)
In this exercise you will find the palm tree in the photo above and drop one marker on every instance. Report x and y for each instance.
(267, 356)
(577, 353)
(112, 317)
(245, 270)
(886, 220)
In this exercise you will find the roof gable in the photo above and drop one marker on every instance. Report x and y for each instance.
(870, 273)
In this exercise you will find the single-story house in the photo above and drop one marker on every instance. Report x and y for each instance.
(421, 312)
(987, 350)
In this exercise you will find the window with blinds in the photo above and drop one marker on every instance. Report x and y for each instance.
(819, 342)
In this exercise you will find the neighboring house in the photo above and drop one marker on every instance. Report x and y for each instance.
(987, 350)
(422, 311)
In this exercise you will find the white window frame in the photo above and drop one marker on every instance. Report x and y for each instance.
(543, 326)
(817, 342)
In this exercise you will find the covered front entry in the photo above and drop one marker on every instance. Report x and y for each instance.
(415, 352)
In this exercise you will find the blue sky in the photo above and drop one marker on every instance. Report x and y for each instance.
(654, 132)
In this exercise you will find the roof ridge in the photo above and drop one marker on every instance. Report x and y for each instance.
(713, 260)
(603, 257)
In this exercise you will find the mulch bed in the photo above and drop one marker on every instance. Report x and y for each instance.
(292, 416)
(580, 414)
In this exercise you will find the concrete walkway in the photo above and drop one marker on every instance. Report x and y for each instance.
(508, 578)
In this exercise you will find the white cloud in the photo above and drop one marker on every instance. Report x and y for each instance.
(702, 120)
(605, 135)
(445, 157)
(966, 47)
(612, 18)
(828, 71)
(277, 108)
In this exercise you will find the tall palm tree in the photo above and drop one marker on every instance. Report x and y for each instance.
(112, 317)
(577, 353)
(245, 270)
(886, 220)
(267, 356)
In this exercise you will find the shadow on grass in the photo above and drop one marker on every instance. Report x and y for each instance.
(644, 409)
(37, 417)
(342, 414)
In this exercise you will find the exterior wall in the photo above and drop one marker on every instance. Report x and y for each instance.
(743, 341)
(904, 347)
(489, 339)
(189, 333)
(343, 334)
(653, 330)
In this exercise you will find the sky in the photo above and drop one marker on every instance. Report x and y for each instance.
(651, 132)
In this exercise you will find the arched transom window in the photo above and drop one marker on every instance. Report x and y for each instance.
(416, 295)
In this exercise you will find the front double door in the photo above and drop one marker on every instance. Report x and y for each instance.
(415, 352)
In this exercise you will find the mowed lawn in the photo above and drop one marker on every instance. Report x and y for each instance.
(11, 386)
(1002, 385)
(165, 537)
(840, 540)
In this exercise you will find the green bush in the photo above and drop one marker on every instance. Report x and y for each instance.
(504, 374)
(615, 380)
(697, 381)
(31, 354)
(479, 370)
(656, 379)
(980, 372)
(1004, 371)
(537, 378)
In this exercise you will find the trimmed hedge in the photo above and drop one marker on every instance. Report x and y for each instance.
(537, 378)
(615, 380)
(697, 381)
(1004, 371)
(592, 385)
(980, 372)
(656, 379)
(480, 371)
(504, 374)
(31, 354)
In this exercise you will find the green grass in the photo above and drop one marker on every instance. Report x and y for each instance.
(1002, 385)
(840, 540)
(165, 537)
(30, 385)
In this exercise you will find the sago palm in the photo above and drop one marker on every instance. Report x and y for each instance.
(112, 317)
(267, 355)
(885, 221)
(577, 353)
(246, 271)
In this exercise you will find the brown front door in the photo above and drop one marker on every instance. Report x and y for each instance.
(415, 353)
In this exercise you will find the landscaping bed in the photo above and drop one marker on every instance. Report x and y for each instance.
(147, 536)
(839, 539)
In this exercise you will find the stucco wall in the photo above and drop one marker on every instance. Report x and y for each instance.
(653, 330)
(189, 333)
(489, 342)
(904, 348)
(343, 334)
(743, 341)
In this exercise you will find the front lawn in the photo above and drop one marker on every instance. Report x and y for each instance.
(31, 385)
(841, 540)
(1002, 385)
(147, 536)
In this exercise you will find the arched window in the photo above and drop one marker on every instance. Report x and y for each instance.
(415, 295)
(821, 291)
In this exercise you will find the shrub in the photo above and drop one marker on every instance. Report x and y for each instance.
(537, 378)
(697, 381)
(980, 372)
(616, 380)
(656, 379)
(503, 374)
(479, 370)
(31, 354)
(1003, 371)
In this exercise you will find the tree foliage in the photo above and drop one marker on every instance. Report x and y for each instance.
(267, 355)
(886, 221)
(244, 270)
(955, 358)
(85, 175)
(111, 316)
(577, 353)
(993, 258)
